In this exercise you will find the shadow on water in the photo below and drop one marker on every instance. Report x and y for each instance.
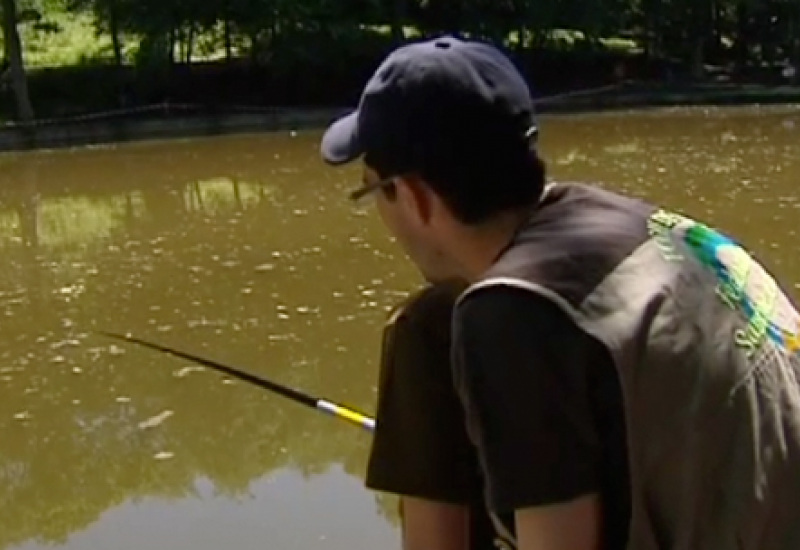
(244, 249)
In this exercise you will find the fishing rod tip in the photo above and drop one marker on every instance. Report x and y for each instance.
(125, 336)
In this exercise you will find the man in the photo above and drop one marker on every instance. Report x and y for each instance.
(421, 450)
(628, 375)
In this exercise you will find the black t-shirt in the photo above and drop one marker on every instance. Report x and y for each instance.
(420, 446)
(541, 400)
(543, 405)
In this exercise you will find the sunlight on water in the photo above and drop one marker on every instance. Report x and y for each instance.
(244, 249)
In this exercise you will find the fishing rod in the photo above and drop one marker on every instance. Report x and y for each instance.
(334, 409)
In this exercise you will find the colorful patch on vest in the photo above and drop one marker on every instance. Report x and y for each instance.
(744, 285)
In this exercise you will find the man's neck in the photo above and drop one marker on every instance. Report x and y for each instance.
(476, 249)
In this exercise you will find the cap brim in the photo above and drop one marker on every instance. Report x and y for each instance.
(340, 143)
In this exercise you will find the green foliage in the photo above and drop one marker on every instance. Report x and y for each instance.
(281, 50)
(67, 39)
(71, 31)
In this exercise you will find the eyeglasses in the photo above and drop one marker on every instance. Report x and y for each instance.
(369, 188)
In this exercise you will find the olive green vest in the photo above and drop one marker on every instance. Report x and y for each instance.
(706, 348)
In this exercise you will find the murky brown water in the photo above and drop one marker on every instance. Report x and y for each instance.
(244, 249)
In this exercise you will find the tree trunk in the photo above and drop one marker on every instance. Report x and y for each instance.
(652, 30)
(716, 30)
(698, 58)
(189, 45)
(172, 39)
(116, 44)
(521, 31)
(228, 41)
(741, 49)
(113, 24)
(253, 35)
(398, 18)
(13, 54)
(794, 59)
(701, 34)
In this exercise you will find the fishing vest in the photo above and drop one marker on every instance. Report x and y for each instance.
(705, 345)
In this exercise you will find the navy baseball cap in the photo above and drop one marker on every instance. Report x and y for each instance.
(444, 98)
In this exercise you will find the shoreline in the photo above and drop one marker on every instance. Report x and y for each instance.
(93, 131)
(177, 121)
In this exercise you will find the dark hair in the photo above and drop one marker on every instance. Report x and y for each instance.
(478, 182)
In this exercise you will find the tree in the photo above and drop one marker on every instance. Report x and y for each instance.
(13, 57)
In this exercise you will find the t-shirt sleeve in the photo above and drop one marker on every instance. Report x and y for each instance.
(522, 373)
(420, 446)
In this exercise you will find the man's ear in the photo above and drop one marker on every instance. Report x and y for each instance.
(416, 197)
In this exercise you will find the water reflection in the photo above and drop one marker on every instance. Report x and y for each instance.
(244, 249)
(219, 253)
(253, 520)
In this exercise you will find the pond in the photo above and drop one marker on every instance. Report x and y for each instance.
(244, 249)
